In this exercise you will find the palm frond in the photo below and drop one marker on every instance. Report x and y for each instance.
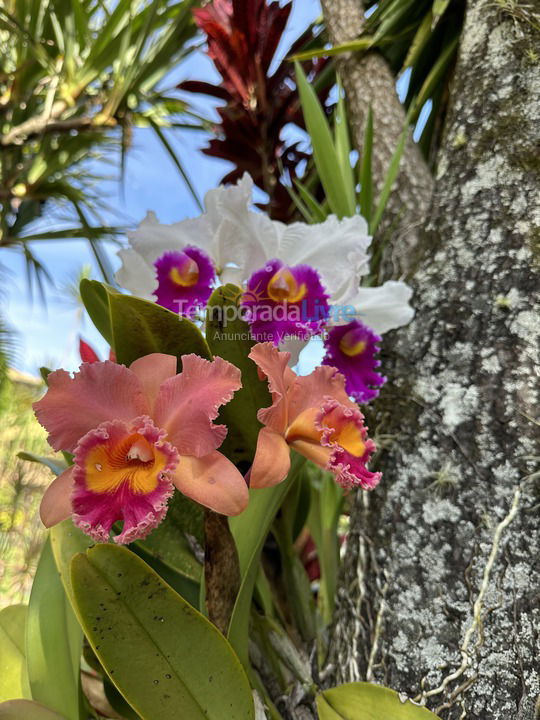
(74, 78)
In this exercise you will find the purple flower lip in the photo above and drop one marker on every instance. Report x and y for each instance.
(281, 300)
(353, 350)
(185, 280)
(353, 343)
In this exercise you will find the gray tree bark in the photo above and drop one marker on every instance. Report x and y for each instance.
(368, 80)
(441, 587)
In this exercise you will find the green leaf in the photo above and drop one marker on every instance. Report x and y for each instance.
(435, 75)
(366, 701)
(66, 541)
(53, 641)
(325, 507)
(96, 301)
(164, 657)
(361, 44)
(250, 530)
(140, 327)
(229, 337)
(316, 211)
(343, 148)
(438, 9)
(366, 178)
(419, 42)
(324, 151)
(26, 710)
(57, 466)
(174, 157)
(168, 543)
(13, 677)
(389, 179)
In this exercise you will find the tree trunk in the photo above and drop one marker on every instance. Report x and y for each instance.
(440, 593)
(368, 80)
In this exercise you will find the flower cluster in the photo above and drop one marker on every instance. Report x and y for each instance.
(298, 280)
(137, 434)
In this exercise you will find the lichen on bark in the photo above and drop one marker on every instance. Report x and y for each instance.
(440, 592)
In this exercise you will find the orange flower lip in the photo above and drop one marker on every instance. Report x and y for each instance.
(131, 460)
(282, 287)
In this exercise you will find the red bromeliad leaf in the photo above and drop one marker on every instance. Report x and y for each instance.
(87, 353)
(243, 37)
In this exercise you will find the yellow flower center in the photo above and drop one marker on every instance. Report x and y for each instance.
(350, 345)
(284, 288)
(186, 275)
(347, 434)
(132, 460)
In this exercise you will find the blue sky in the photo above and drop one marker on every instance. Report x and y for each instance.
(49, 335)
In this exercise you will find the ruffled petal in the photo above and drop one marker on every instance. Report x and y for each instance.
(152, 370)
(212, 481)
(353, 349)
(384, 308)
(98, 392)
(136, 274)
(56, 502)
(316, 245)
(185, 280)
(187, 403)
(282, 300)
(272, 460)
(343, 432)
(152, 238)
(273, 365)
(122, 473)
(311, 391)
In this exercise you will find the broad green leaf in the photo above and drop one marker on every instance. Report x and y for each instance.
(366, 701)
(324, 151)
(13, 677)
(117, 702)
(57, 466)
(229, 337)
(53, 641)
(95, 298)
(27, 710)
(163, 656)
(168, 542)
(66, 541)
(140, 327)
(250, 530)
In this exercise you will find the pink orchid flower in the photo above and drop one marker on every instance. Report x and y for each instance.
(136, 433)
(314, 415)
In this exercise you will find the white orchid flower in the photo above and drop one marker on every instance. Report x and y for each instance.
(240, 241)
